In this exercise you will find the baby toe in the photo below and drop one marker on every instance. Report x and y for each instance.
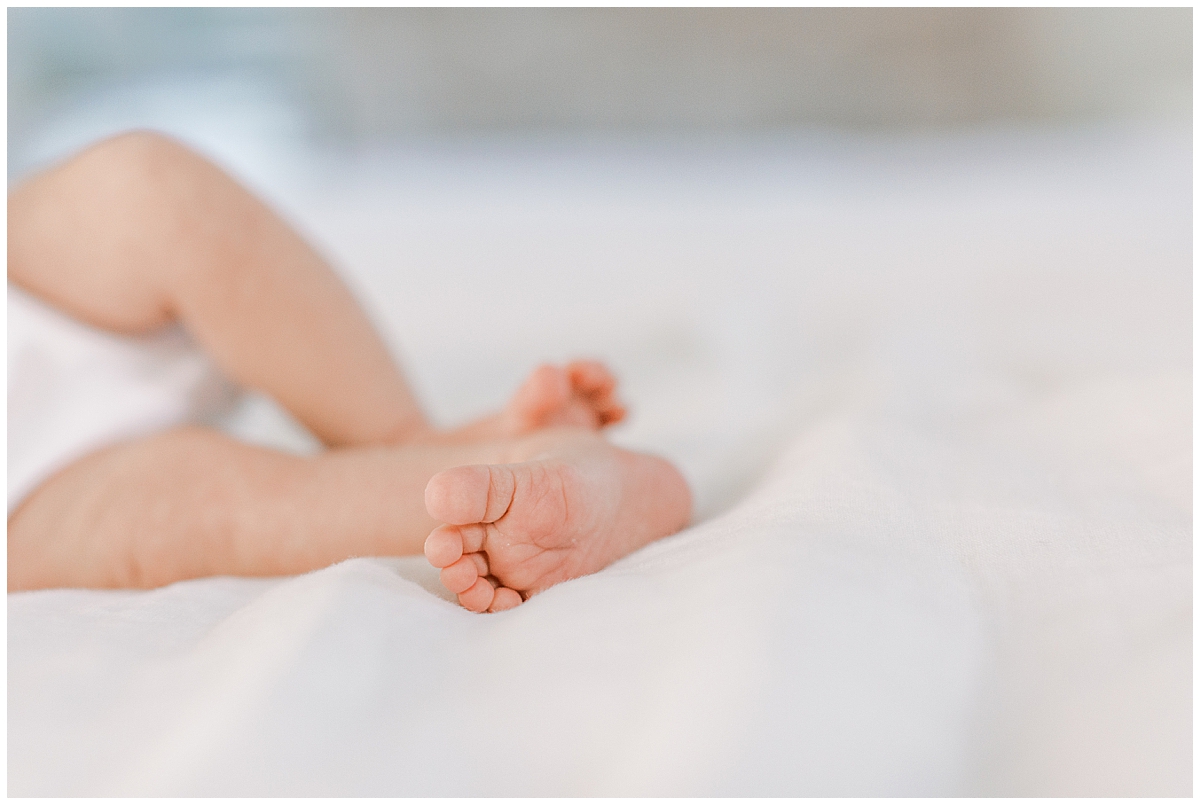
(478, 597)
(444, 546)
(504, 598)
(459, 495)
(460, 576)
(481, 563)
(591, 377)
(611, 414)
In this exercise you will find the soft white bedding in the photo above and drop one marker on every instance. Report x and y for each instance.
(935, 399)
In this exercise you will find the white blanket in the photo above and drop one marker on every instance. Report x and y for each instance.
(935, 399)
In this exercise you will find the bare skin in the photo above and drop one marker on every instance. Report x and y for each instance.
(516, 529)
(138, 232)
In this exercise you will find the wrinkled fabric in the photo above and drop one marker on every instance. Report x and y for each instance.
(933, 396)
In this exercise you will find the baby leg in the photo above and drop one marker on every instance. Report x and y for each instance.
(192, 502)
(138, 231)
(524, 513)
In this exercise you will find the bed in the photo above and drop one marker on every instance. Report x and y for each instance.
(933, 395)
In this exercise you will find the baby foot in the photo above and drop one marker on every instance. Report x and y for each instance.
(579, 395)
(514, 530)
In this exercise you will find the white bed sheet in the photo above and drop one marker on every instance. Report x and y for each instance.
(934, 395)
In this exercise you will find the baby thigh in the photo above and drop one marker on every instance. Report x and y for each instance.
(142, 513)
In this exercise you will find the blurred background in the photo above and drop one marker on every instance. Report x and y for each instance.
(357, 77)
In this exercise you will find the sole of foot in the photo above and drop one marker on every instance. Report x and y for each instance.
(514, 530)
